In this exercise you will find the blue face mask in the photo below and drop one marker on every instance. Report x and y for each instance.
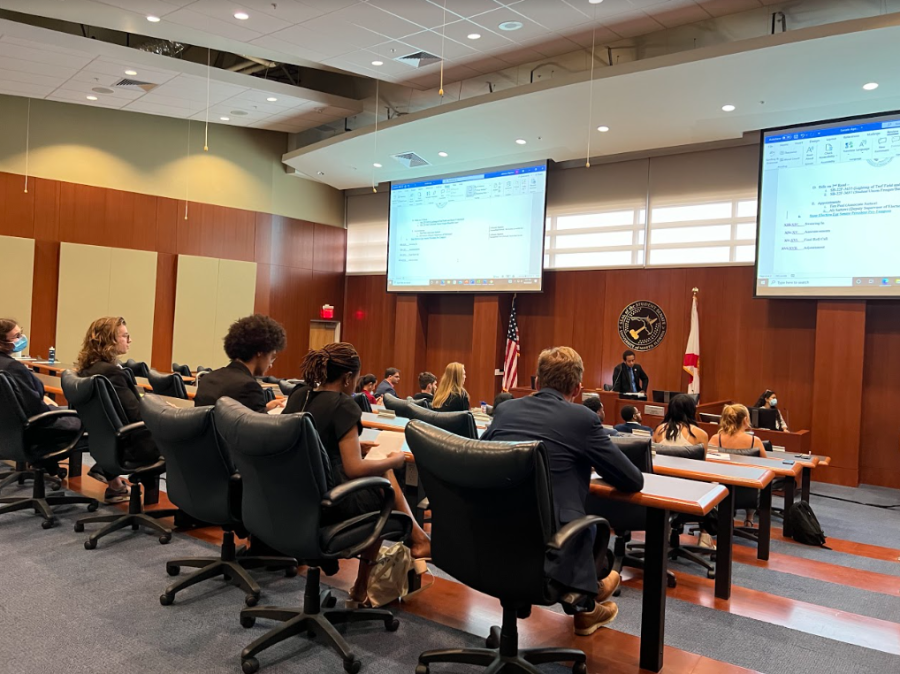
(773, 402)
(20, 344)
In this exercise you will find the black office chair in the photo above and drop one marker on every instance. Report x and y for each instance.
(364, 404)
(282, 465)
(98, 406)
(203, 482)
(19, 473)
(171, 385)
(458, 423)
(494, 530)
(183, 370)
(139, 369)
(287, 386)
(398, 406)
(269, 394)
(680, 521)
(421, 402)
(25, 439)
(200, 369)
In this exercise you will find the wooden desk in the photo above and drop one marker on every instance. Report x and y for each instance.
(373, 421)
(662, 495)
(733, 476)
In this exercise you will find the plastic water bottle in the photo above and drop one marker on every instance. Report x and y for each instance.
(483, 407)
(51, 354)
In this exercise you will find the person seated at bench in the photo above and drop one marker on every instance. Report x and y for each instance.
(734, 427)
(632, 419)
(252, 344)
(594, 404)
(427, 386)
(451, 396)
(366, 386)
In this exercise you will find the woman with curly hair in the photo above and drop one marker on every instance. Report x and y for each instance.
(252, 344)
(330, 374)
(107, 338)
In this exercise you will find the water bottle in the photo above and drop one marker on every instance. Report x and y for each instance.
(483, 407)
(51, 354)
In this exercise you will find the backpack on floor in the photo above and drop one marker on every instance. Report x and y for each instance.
(805, 526)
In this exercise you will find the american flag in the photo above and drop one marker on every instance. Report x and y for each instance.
(511, 359)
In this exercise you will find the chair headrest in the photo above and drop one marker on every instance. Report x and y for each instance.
(258, 434)
(160, 379)
(460, 423)
(174, 424)
(474, 464)
(637, 449)
(696, 452)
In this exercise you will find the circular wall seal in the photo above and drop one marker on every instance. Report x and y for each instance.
(642, 325)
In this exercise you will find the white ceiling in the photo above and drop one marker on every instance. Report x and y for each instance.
(41, 63)
(800, 76)
(351, 34)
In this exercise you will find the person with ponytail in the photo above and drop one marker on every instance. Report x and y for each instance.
(734, 433)
(451, 396)
(331, 374)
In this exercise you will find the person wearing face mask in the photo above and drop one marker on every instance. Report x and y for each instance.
(252, 344)
(769, 401)
(106, 340)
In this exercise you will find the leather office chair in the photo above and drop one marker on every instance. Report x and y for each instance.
(98, 406)
(495, 530)
(269, 394)
(399, 406)
(363, 402)
(421, 402)
(183, 370)
(19, 473)
(287, 386)
(26, 440)
(200, 369)
(458, 423)
(203, 482)
(693, 553)
(282, 465)
(171, 385)
(139, 369)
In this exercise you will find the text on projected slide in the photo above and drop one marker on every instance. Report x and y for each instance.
(830, 208)
(482, 231)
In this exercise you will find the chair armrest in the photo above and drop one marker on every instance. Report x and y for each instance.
(129, 429)
(567, 534)
(342, 491)
(50, 417)
(235, 493)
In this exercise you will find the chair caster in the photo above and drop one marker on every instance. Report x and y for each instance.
(247, 622)
(79, 527)
(166, 599)
(92, 507)
(711, 573)
(251, 599)
(173, 570)
(421, 669)
(48, 524)
(165, 538)
(62, 473)
(392, 625)
(90, 544)
(671, 582)
(290, 572)
(579, 668)
(493, 639)
(250, 665)
(55, 486)
(330, 601)
(352, 666)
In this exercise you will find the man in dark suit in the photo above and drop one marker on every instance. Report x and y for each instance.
(632, 419)
(629, 377)
(575, 442)
(252, 344)
(388, 384)
(594, 405)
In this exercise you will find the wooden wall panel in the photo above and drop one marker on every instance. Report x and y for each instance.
(410, 341)
(17, 210)
(164, 314)
(450, 321)
(329, 248)
(46, 209)
(879, 451)
(167, 215)
(481, 382)
(44, 297)
(369, 321)
(289, 304)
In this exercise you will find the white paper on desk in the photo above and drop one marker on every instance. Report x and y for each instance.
(777, 448)
(388, 441)
(369, 435)
(722, 457)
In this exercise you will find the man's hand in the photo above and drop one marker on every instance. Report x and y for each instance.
(50, 401)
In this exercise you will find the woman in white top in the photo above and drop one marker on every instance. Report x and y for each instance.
(734, 427)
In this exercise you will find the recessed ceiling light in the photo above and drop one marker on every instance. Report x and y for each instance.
(321, 173)
(153, 19)
(521, 141)
(510, 25)
(131, 72)
(376, 165)
(474, 36)
(241, 16)
(377, 63)
(102, 90)
(92, 98)
(225, 119)
(602, 129)
(870, 86)
(271, 99)
(728, 108)
(595, 2)
(442, 154)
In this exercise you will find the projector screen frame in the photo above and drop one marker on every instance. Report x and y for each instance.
(759, 196)
(467, 289)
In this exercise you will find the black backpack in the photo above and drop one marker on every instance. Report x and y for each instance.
(805, 526)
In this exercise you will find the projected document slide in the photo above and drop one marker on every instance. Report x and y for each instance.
(480, 232)
(829, 217)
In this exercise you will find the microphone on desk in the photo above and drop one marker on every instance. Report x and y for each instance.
(616, 380)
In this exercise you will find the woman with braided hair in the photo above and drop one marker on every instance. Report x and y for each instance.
(331, 374)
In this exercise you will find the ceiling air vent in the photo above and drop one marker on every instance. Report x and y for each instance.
(135, 85)
(410, 160)
(419, 59)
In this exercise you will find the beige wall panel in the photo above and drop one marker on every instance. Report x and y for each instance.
(84, 273)
(235, 298)
(148, 154)
(17, 263)
(195, 311)
(132, 295)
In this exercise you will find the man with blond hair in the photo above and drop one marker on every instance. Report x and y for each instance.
(576, 443)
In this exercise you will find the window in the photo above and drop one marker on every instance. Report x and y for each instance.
(595, 240)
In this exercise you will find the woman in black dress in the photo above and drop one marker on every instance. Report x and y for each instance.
(331, 374)
(451, 396)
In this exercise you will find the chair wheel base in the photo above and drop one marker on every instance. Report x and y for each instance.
(579, 668)
(79, 527)
(250, 665)
(173, 570)
(92, 507)
(48, 524)
(90, 544)
(290, 572)
(166, 599)
(422, 669)
(247, 622)
(251, 599)
(392, 626)
(711, 574)
(352, 666)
